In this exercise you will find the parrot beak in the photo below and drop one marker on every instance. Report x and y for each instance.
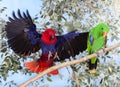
(104, 34)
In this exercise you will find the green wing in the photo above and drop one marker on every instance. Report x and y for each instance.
(95, 42)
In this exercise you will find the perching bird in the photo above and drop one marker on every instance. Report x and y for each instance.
(24, 40)
(96, 40)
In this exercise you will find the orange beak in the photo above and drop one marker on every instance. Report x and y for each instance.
(104, 34)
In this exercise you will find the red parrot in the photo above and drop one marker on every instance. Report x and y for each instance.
(24, 40)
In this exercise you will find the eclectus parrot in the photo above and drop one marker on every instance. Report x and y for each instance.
(96, 40)
(24, 40)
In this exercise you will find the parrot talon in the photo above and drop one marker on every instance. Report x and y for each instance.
(49, 55)
(103, 50)
(56, 56)
(48, 58)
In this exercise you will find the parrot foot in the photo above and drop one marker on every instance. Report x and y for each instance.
(98, 54)
(93, 71)
(49, 55)
(56, 56)
(103, 50)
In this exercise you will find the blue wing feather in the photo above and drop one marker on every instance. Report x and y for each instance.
(91, 39)
(63, 38)
(33, 35)
(22, 35)
(71, 44)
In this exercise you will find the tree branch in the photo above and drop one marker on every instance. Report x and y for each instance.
(67, 64)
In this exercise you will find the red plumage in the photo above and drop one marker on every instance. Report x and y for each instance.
(46, 36)
(41, 64)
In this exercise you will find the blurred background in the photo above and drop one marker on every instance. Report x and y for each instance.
(63, 16)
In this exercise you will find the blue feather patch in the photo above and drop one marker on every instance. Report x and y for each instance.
(33, 36)
(91, 39)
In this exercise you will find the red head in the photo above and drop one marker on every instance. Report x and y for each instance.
(48, 36)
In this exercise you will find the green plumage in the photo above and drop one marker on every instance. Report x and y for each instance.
(96, 40)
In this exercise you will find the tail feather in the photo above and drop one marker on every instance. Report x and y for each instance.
(36, 66)
(55, 72)
(91, 65)
(33, 66)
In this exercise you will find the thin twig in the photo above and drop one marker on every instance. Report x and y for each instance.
(67, 64)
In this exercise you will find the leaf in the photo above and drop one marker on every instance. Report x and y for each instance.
(59, 18)
(50, 12)
(35, 18)
(64, 18)
(110, 70)
(48, 23)
(49, 79)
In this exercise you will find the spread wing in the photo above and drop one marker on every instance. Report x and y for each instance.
(22, 35)
(71, 44)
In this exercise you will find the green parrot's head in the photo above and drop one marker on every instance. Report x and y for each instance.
(103, 29)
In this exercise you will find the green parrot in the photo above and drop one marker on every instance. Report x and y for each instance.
(96, 40)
